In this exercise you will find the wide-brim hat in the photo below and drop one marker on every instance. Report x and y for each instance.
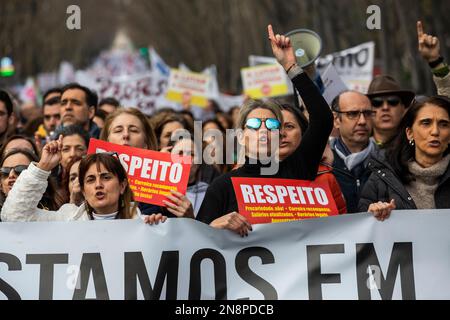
(384, 85)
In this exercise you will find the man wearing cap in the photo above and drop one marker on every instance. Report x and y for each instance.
(390, 103)
(6, 118)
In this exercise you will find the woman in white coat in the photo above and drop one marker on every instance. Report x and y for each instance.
(103, 182)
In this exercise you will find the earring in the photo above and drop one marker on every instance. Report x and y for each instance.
(411, 142)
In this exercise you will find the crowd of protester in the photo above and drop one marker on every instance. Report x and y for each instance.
(378, 152)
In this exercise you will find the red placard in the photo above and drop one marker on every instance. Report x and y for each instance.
(282, 200)
(151, 175)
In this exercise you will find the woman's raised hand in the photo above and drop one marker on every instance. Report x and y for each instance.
(282, 49)
(51, 155)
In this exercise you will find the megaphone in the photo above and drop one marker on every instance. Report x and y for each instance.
(307, 46)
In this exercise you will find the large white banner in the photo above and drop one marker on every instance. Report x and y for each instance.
(345, 257)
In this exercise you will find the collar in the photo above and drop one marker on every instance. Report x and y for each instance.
(111, 216)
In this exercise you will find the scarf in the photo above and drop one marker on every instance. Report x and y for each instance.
(352, 160)
(426, 182)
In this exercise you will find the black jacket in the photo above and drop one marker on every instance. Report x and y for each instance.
(350, 183)
(384, 185)
(303, 164)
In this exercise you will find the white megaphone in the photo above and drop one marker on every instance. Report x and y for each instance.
(307, 46)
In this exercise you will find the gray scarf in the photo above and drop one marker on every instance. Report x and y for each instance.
(426, 182)
(353, 160)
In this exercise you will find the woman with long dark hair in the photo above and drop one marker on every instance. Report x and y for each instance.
(416, 174)
(103, 182)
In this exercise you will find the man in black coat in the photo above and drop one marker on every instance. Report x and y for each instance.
(353, 115)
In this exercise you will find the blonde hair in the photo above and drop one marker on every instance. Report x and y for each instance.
(251, 105)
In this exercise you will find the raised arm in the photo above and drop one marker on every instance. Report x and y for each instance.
(315, 139)
(430, 50)
(23, 199)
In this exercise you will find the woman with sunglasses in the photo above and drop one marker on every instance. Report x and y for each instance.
(103, 182)
(260, 123)
(416, 172)
(11, 167)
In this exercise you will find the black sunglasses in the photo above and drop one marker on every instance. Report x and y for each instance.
(5, 171)
(392, 101)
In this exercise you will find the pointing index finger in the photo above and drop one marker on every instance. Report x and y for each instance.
(271, 34)
(419, 29)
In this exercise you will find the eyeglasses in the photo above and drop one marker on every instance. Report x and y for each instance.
(353, 115)
(392, 101)
(256, 123)
(5, 171)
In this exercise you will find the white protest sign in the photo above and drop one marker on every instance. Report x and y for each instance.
(139, 91)
(354, 65)
(332, 83)
(344, 257)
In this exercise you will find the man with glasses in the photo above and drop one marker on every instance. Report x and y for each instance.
(353, 116)
(390, 103)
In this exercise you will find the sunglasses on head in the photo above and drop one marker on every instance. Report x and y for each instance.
(256, 123)
(392, 101)
(5, 171)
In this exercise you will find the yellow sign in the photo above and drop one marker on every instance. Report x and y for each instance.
(264, 81)
(193, 85)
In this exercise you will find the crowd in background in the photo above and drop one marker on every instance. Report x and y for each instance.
(381, 151)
